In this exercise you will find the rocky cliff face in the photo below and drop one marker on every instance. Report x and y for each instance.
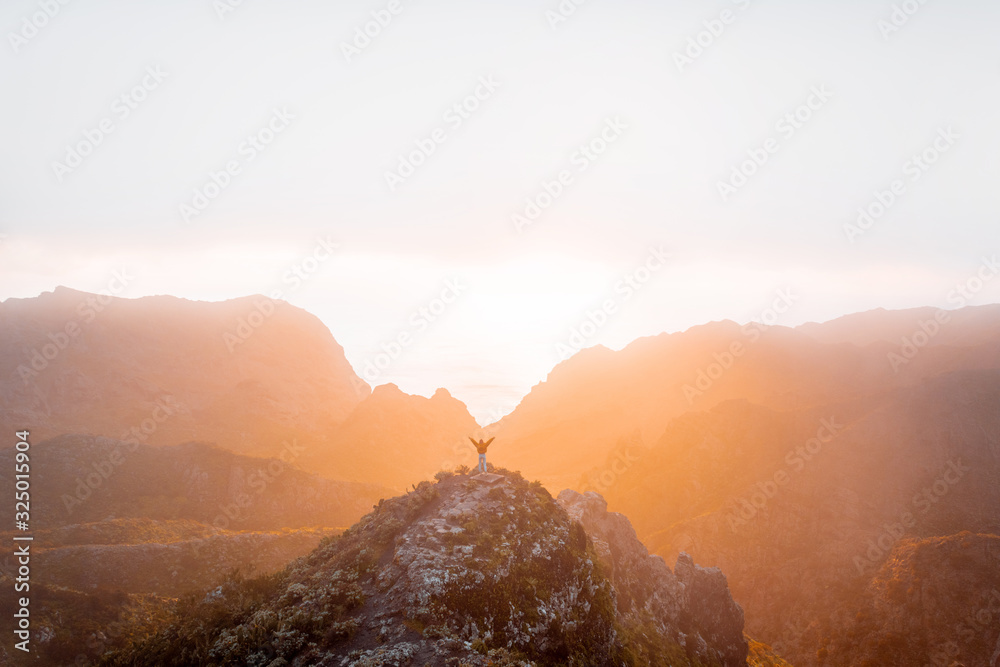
(802, 509)
(692, 604)
(464, 572)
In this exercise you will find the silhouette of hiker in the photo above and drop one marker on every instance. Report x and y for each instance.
(481, 448)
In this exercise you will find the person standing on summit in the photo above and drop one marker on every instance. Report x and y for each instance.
(481, 448)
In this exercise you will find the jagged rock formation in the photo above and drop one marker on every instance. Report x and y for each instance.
(463, 572)
(692, 605)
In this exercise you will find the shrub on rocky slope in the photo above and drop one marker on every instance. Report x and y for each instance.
(463, 572)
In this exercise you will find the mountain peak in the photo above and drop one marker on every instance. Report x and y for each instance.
(247, 369)
(462, 571)
(387, 389)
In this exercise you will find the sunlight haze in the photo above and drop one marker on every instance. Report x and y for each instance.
(682, 130)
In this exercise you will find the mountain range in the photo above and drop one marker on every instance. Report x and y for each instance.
(805, 466)
(162, 370)
(844, 477)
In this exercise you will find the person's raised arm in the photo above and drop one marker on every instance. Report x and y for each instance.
(473, 441)
(487, 443)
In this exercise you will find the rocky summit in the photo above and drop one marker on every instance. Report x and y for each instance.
(463, 572)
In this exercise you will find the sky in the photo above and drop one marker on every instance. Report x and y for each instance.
(467, 193)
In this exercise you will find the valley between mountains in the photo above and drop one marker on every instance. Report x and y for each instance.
(830, 495)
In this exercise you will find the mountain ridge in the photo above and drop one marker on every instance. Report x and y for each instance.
(472, 571)
(163, 370)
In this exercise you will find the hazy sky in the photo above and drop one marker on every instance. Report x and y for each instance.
(116, 113)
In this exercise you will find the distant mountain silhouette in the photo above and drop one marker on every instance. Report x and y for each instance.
(969, 326)
(568, 424)
(800, 471)
(395, 439)
(249, 375)
(69, 364)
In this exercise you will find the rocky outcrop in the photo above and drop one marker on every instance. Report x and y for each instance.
(692, 604)
(465, 572)
(709, 612)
